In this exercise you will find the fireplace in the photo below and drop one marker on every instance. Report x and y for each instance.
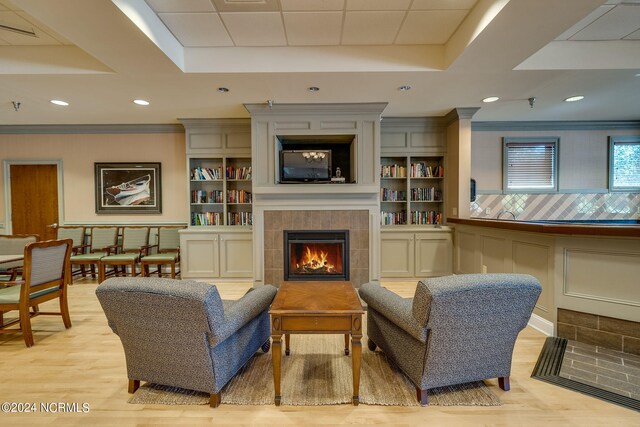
(316, 255)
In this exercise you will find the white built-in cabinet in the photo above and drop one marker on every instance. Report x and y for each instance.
(216, 254)
(412, 200)
(218, 243)
(415, 253)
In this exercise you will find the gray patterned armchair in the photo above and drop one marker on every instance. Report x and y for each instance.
(180, 333)
(456, 329)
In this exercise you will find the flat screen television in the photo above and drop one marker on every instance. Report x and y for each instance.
(305, 165)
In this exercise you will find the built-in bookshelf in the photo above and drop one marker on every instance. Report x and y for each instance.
(411, 190)
(220, 191)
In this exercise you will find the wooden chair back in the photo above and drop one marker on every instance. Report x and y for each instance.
(46, 265)
(74, 232)
(103, 237)
(134, 238)
(169, 238)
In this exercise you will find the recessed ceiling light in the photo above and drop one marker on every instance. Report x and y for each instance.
(575, 98)
(140, 102)
(59, 102)
(491, 99)
(313, 88)
(404, 88)
(223, 89)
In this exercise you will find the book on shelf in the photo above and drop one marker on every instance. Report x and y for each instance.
(239, 218)
(202, 196)
(431, 194)
(205, 174)
(393, 218)
(242, 173)
(393, 171)
(238, 196)
(389, 195)
(206, 218)
(423, 170)
(426, 217)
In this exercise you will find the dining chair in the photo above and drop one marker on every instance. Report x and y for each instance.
(168, 252)
(103, 239)
(127, 254)
(13, 244)
(46, 269)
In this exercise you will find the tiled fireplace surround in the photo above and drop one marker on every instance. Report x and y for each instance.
(356, 221)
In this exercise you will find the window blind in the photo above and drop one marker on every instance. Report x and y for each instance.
(531, 165)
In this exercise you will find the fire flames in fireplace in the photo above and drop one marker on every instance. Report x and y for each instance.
(318, 259)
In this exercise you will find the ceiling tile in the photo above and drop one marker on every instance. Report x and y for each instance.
(371, 28)
(585, 22)
(167, 6)
(197, 29)
(430, 26)
(378, 4)
(246, 5)
(313, 29)
(443, 4)
(255, 28)
(309, 5)
(633, 36)
(621, 21)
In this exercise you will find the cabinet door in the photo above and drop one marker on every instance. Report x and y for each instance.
(236, 255)
(434, 254)
(199, 255)
(396, 255)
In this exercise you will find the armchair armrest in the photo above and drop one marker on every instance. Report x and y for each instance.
(243, 311)
(396, 309)
(11, 283)
(110, 248)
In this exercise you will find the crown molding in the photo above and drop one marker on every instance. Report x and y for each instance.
(91, 129)
(555, 125)
(324, 109)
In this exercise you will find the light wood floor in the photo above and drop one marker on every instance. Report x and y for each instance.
(86, 364)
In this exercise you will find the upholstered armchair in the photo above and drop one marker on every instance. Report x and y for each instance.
(180, 333)
(456, 329)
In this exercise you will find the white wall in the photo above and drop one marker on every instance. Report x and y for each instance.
(582, 166)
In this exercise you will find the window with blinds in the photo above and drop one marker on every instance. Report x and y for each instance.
(530, 165)
(624, 164)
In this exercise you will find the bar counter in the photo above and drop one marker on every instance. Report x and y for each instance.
(550, 227)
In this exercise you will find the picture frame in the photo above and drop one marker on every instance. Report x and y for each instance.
(128, 188)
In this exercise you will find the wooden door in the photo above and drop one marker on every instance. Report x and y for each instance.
(34, 199)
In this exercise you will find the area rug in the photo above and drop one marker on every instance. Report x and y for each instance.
(318, 373)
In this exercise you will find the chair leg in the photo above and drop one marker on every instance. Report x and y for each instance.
(83, 270)
(25, 325)
(1, 319)
(173, 270)
(64, 310)
(422, 396)
(214, 400)
(133, 385)
(503, 383)
(93, 271)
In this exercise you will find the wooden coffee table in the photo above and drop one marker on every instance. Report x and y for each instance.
(316, 308)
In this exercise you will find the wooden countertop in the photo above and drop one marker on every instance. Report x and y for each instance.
(553, 228)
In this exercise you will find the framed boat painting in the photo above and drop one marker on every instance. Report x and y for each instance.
(128, 188)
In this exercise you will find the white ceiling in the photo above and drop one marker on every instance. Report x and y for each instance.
(99, 55)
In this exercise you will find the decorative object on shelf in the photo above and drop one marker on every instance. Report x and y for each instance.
(125, 188)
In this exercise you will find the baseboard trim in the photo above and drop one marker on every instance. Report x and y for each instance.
(541, 325)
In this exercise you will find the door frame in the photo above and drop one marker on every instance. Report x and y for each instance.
(6, 172)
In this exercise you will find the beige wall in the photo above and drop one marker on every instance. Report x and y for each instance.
(78, 154)
(583, 157)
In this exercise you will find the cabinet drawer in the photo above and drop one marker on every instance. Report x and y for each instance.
(316, 324)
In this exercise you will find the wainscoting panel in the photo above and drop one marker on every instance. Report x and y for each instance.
(493, 254)
(582, 279)
(466, 253)
(433, 256)
(536, 260)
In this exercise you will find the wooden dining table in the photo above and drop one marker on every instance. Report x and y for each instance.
(10, 258)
